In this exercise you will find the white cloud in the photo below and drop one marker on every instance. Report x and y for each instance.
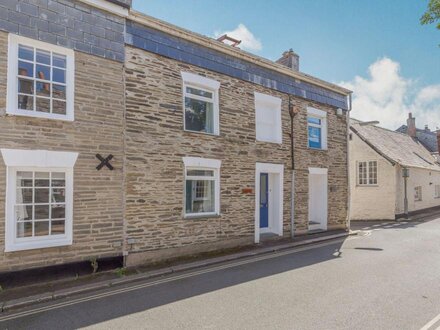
(388, 97)
(241, 32)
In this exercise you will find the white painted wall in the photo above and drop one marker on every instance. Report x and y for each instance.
(371, 202)
(417, 177)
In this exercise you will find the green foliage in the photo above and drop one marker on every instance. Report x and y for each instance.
(432, 14)
(120, 271)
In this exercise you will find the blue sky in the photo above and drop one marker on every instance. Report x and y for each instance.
(364, 45)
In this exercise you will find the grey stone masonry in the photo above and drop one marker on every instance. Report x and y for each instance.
(67, 23)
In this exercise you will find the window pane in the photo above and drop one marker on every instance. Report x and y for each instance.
(25, 86)
(24, 196)
(25, 102)
(313, 120)
(43, 105)
(200, 196)
(59, 60)
(25, 69)
(41, 179)
(42, 228)
(24, 179)
(23, 212)
(42, 72)
(200, 173)
(26, 53)
(42, 89)
(58, 195)
(24, 229)
(58, 179)
(57, 227)
(314, 137)
(43, 57)
(199, 116)
(59, 91)
(58, 107)
(58, 211)
(59, 75)
(41, 211)
(42, 195)
(199, 92)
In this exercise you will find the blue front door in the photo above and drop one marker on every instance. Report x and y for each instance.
(264, 206)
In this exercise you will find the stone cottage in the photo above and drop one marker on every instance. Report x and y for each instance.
(123, 136)
(388, 171)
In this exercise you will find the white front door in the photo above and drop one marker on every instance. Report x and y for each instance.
(318, 199)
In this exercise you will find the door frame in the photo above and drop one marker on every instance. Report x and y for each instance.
(275, 207)
(323, 172)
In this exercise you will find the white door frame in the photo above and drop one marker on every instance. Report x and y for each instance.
(275, 206)
(324, 172)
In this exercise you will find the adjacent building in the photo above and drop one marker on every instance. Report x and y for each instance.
(429, 139)
(381, 161)
(123, 136)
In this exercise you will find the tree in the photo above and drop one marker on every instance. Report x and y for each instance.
(432, 14)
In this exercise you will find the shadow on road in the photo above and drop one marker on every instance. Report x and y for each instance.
(96, 311)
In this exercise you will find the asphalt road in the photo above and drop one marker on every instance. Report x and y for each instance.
(387, 279)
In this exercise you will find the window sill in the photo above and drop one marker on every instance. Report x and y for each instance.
(201, 216)
(41, 244)
(204, 133)
(317, 149)
(35, 114)
(367, 185)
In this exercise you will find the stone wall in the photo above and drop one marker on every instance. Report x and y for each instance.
(156, 143)
(98, 128)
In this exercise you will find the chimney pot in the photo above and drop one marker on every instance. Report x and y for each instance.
(289, 59)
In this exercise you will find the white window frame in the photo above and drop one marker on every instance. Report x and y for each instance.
(437, 191)
(205, 84)
(322, 115)
(263, 103)
(12, 85)
(196, 163)
(37, 160)
(418, 194)
(367, 163)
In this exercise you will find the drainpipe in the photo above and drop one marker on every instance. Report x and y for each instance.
(348, 166)
(292, 113)
(405, 191)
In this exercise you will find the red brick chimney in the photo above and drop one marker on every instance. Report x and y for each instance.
(289, 59)
(411, 126)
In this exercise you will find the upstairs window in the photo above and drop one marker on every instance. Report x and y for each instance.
(40, 79)
(317, 128)
(202, 186)
(437, 191)
(418, 193)
(268, 118)
(367, 173)
(200, 103)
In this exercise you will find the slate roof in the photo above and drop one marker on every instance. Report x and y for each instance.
(427, 138)
(396, 147)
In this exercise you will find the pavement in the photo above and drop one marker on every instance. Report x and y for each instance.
(386, 277)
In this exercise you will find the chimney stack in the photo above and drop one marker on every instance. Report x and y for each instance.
(438, 142)
(290, 59)
(411, 126)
